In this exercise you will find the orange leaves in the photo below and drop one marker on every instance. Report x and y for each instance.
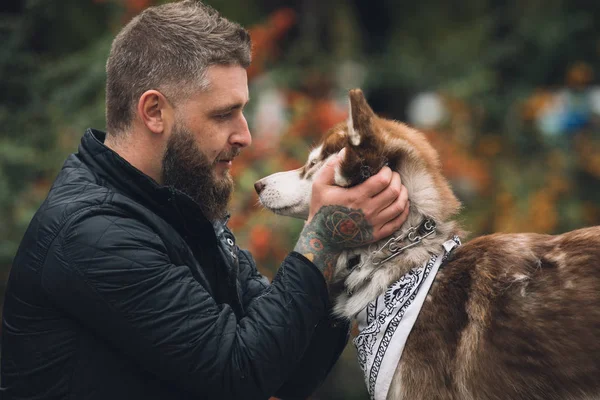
(458, 163)
(281, 20)
(136, 6)
(505, 215)
(291, 163)
(326, 114)
(240, 164)
(579, 75)
(588, 151)
(265, 38)
(312, 116)
(538, 213)
(132, 6)
(538, 102)
(260, 241)
(236, 221)
(535, 199)
(543, 214)
(489, 146)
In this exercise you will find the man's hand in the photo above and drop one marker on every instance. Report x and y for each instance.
(341, 218)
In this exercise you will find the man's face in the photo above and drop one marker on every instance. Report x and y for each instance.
(209, 131)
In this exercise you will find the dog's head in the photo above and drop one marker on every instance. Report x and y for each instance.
(288, 193)
(371, 142)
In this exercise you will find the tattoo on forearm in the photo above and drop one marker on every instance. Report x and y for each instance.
(348, 228)
(312, 246)
(332, 229)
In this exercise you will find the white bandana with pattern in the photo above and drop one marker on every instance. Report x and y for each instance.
(385, 324)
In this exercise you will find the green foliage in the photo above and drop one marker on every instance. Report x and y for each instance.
(494, 64)
(52, 70)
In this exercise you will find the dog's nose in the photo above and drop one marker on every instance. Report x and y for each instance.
(259, 186)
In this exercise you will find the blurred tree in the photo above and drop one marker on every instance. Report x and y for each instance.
(51, 83)
(506, 88)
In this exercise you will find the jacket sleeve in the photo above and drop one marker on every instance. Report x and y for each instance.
(112, 274)
(327, 343)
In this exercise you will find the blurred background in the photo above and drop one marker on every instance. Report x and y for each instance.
(506, 90)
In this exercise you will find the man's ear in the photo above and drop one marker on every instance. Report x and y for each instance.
(154, 110)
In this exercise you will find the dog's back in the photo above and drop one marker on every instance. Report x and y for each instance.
(510, 316)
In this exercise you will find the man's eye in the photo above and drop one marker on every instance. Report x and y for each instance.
(224, 116)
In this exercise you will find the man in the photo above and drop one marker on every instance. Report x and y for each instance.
(129, 285)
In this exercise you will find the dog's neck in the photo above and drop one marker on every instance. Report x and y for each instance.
(364, 280)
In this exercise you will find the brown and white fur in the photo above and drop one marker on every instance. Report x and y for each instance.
(509, 316)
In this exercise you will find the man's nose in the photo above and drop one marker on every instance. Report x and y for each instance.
(242, 136)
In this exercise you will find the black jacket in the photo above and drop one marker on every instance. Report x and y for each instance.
(121, 289)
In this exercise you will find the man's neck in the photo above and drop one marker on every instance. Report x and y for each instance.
(141, 154)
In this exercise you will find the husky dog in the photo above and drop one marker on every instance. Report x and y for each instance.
(506, 316)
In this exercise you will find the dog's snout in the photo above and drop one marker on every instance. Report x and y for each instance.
(259, 186)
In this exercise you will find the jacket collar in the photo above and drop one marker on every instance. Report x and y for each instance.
(173, 205)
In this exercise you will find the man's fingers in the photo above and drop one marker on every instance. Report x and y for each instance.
(394, 208)
(378, 182)
(390, 227)
(326, 175)
(374, 185)
(390, 194)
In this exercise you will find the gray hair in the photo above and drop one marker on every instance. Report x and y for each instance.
(168, 48)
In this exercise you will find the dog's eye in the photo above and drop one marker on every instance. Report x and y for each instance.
(312, 163)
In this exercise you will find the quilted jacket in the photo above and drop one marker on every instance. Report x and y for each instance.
(121, 289)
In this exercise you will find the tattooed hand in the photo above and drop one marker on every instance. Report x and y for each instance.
(341, 218)
(332, 229)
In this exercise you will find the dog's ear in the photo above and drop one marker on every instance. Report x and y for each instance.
(364, 154)
(360, 120)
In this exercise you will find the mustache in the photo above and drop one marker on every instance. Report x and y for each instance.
(229, 155)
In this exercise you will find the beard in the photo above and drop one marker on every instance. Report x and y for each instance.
(187, 169)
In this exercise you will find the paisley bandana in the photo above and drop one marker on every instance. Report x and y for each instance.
(385, 323)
